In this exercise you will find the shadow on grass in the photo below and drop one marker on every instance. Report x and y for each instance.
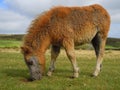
(62, 73)
(68, 73)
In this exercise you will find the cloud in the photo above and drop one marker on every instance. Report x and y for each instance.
(12, 22)
(111, 4)
(31, 8)
(34, 7)
(114, 31)
(28, 7)
(16, 15)
(113, 7)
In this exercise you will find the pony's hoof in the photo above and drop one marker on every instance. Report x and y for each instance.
(49, 73)
(75, 75)
(92, 75)
(95, 74)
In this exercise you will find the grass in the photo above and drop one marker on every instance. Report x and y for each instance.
(13, 72)
(10, 43)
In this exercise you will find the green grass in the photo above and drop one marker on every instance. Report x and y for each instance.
(10, 43)
(13, 73)
(14, 41)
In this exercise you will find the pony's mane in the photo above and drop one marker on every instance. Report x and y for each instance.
(35, 29)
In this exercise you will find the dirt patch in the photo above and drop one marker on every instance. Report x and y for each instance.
(91, 53)
(78, 53)
(17, 50)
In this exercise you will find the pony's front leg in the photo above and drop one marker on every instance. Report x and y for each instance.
(71, 56)
(55, 50)
(69, 47)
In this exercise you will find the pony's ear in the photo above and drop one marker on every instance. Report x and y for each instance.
(25, 50)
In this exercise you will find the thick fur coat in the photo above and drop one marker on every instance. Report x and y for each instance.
(67, 27)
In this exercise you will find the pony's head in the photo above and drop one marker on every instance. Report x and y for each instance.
(32, 62)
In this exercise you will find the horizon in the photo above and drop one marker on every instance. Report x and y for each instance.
(25, 34)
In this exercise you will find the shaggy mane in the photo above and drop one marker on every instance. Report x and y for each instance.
(41, 21)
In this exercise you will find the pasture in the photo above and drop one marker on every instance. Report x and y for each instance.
(14, 72)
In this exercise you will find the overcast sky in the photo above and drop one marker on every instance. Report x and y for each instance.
(16, 15)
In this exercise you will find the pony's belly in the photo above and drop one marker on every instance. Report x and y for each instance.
(84, 39)
(85, 36)
(80, 42)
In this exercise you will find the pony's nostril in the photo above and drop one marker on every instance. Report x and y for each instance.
(30, 62)
(38, 72)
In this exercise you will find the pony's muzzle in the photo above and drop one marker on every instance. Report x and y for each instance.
(34, 68)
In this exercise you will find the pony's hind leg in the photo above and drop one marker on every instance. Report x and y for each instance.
(55, 50)
(99, 44)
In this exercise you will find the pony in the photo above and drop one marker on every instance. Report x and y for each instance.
(65, 27)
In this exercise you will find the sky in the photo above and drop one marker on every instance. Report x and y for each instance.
(16, 15)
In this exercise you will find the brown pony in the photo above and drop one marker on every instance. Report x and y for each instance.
(65, 27)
